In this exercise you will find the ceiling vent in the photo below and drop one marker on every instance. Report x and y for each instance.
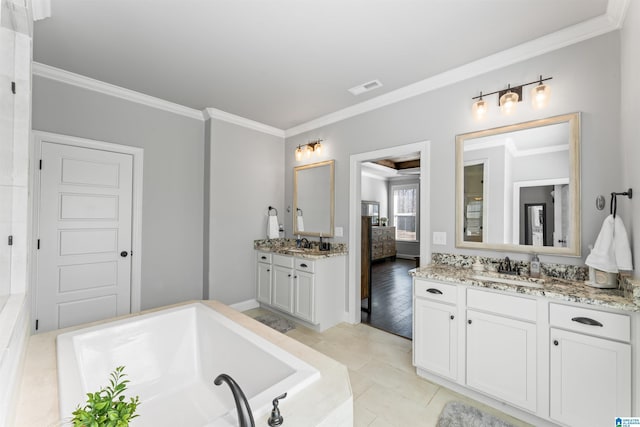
(365, 87)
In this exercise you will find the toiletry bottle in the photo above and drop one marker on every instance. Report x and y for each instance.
(298, 241)
(534, 269)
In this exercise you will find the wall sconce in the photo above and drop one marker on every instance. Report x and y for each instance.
(308, 148)
(508, 98)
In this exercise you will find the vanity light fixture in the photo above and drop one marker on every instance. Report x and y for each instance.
(509, 98)
(308, 148)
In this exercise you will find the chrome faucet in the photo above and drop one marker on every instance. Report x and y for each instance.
(507, 268)
(245, 417)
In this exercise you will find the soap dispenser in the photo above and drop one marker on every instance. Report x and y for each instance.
(534, 269)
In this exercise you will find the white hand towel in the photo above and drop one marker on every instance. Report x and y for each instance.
(621, 245)
(273, 229)
(603, 255)
(300, 223)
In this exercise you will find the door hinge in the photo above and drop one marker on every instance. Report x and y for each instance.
(13, 87)
(36, 324)
(10, 240)
(40, 165)
(38, 244)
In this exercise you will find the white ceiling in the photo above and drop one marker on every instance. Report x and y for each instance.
(286, 62)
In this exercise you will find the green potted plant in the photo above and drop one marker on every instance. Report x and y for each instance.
(383, 221)
(108, 407)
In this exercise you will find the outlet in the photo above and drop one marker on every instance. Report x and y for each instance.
(439, 237)
(338, 232)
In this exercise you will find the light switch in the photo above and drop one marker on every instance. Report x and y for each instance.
(338, 232)
(439, 237)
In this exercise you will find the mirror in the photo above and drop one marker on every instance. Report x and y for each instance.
(313, 199)
(518, 187)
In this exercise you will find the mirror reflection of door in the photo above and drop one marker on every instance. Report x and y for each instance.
(535, 224)
(474, 202)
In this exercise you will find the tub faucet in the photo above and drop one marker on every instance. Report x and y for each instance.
(245, 417)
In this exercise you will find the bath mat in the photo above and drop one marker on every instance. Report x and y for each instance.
(276, 322)
(458, 414)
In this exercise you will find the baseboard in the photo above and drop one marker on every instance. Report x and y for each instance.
(405, 256)
(245, 305)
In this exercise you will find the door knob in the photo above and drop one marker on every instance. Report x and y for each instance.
(124, 254)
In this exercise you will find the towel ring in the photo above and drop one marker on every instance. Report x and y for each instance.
(299, 211)
(271, 208)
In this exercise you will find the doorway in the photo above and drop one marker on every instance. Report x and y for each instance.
(87, 212)
(355, 219)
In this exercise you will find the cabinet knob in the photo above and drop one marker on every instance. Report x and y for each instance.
(289, 275)
(469, 321)
(295, 277)
(452, 317)
(555, 342)
(268, 269)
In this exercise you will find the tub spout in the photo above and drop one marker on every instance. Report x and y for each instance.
(245, 417)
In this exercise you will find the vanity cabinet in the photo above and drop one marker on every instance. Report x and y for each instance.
(264, 277)
(436, 328)
(311, 290)
(590, 366)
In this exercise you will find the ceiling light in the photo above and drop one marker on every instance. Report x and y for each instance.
(508, 98)
(365, 87)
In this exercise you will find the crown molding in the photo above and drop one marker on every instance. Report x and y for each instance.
(57, 74)
(594, 27)
(214, 113)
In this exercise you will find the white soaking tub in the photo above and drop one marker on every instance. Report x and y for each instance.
(171, 358)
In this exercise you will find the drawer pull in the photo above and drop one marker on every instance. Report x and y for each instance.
(263, 257)
(434, 291)
(303, 265)
(587, 321)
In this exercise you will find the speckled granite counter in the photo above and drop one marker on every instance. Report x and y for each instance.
(288, 247)
(553, 288)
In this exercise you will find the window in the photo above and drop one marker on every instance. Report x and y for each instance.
(405, 211)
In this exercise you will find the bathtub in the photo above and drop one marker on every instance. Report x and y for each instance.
(171, 358)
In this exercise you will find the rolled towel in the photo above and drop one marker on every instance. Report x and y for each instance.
(273, 229)
(300, 223)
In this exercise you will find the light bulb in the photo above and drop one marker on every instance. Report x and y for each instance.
(317, 148)
(308, 150)
(479, 108)
(298, 153)
(540, 95)
(508, 102)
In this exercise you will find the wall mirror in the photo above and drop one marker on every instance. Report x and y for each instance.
(313, 199)
(518, 187)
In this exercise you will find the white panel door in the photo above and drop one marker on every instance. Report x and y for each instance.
(282, 296)
(435, 337)
(304, 296)
(264, 282)
(84, 231)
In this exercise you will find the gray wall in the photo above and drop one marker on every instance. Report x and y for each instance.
(586, 78)
(630, 70)
(246, 178)
(172, 218)
(376, 190)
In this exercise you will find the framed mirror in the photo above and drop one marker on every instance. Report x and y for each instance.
(313, 199)
(518, 187)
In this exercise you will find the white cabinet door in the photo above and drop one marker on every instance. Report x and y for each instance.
(590, 379)
(435, 337)
(501, 358)
(264, 283)
(304, 301)
(282, 297)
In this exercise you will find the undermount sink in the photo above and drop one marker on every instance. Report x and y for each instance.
(528, 282)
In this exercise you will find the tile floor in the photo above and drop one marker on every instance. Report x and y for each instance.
(386, 390)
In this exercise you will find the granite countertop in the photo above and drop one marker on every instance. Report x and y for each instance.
(552, 288)
(288, 247)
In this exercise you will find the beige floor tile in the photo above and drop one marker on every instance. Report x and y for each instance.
(392, 407)
(362, 417)
(359, 383)
(401, 383)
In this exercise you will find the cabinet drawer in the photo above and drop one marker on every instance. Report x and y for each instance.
(305, 265)
(593, 322)
(264, 257)
(436, 291)
(507, 305)
(283, 260)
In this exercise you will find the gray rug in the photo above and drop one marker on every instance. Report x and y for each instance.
(276, 322)
(458, 414)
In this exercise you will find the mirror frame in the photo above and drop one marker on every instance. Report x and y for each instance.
(296, 169)
(575, 244)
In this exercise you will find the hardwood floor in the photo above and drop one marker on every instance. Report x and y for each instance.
(391, 308)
